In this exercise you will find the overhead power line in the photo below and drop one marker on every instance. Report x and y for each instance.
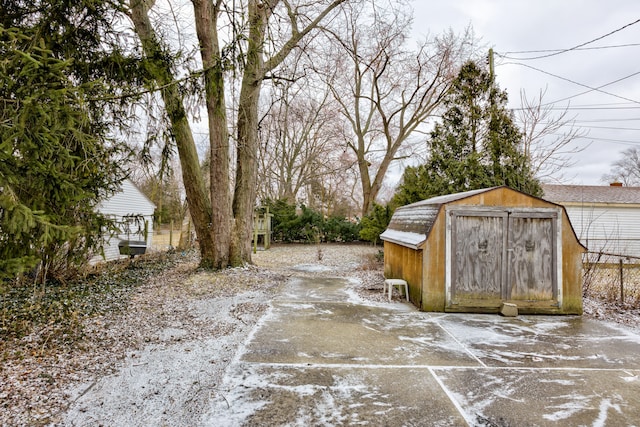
(574, 47)
(628, 119)
(598, 106)
(606, 105)
(599, 87)
(519, 52)
(591, 89)
(590, 139)
(577, 108)
(615, 141)
(593, 108)
(595, 89)
(611, 128)
(572, 124)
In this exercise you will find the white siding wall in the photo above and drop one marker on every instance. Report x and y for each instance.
(612, 229)
(130, 201)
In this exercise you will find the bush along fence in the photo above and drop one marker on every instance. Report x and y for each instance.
(613, 277)
(293, 224)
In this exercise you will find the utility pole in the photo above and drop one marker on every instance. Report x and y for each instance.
(493, 131)
(490, 60)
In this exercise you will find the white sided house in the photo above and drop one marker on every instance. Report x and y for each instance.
(133, 213)
(606, 219)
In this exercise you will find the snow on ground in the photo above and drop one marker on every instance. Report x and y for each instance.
(172, 345)
(160, 348)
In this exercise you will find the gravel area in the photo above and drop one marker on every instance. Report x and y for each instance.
(170, 346)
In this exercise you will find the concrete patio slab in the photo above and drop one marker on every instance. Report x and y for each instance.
(545, 341)
(339, 333)
(324, 357)
(541, 397)
(276, 395)
(322, 289)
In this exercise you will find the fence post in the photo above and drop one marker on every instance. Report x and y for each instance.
(621, 282)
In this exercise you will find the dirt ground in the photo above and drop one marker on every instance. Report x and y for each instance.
(180, 332)
(163, 334)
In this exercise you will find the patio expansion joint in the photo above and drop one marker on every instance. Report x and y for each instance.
(431, 368)
(466, 349)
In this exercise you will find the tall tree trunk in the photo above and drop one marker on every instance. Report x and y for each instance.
(218, 232)
(206, 27)
(246, 168)
(255, 69)
(365, 177)
(160, 70)
(373, 187)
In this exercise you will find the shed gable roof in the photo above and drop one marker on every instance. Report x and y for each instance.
(591, 194)
(410, 225)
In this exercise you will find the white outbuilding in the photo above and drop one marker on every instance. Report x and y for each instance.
(606, 219)
(132, 212)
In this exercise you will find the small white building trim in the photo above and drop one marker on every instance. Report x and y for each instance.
(133, 213)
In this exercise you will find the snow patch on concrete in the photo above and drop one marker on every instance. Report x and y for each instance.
(312, 268)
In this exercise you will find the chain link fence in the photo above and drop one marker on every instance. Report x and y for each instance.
(612, 277)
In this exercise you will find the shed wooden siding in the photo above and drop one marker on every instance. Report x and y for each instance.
(434, 271)
(129, 201)
(434, 292)
(572, 272)
(401, 262)
(436, 267)
(509, 199)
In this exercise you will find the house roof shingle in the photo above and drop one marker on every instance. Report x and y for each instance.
(411, 224)
(591, 194)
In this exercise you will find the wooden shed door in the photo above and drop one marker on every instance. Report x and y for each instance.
(478, 246)
(531, 261)
(502, 255)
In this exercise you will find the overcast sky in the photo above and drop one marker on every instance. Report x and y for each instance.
(515, 28)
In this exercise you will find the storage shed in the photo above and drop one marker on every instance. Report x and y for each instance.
(472, 251)
(133, 213)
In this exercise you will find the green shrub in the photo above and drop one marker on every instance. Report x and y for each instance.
(340, 229)
(375, 223)
(309, 225)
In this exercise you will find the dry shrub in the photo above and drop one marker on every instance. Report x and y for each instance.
(602, 281)
(373, 261)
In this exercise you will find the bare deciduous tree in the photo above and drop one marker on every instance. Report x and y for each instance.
(385, 91)
(299, 140)
(265, 31)
(160, 68)
(627, 169)
(547, 137)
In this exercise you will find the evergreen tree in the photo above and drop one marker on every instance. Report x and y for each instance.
(373, 224)
(56, 162)
(475, 145)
